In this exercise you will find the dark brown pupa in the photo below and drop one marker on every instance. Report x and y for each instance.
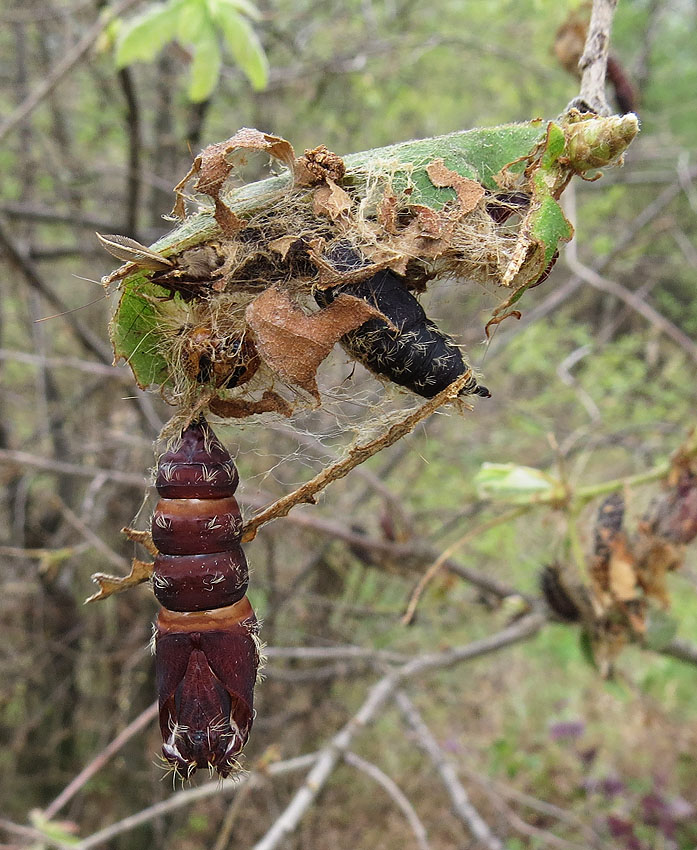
(206, 646)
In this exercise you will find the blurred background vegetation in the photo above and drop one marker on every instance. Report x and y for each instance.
(551, 754)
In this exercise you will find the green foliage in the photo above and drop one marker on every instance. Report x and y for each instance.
(197, 24)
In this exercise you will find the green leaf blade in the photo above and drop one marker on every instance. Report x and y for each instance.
(142, 38)
(244, 45)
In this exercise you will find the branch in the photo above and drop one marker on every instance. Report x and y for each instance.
(593, 62)
(71, 58)
(98, 763)
(185, 798)
(128, 479)
(391, 787)
(357, 454)
(460, 799)
(19, 259)
(378, 695)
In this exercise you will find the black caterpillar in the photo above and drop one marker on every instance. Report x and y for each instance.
(206, 646)
(413, 352)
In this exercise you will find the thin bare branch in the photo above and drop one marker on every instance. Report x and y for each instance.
(71, 58)
(395, 792)
(189, 796)
(128, 479)
(404, 553)
(377, 696)
(593, 62)
(357, 454)
(97, 763)
(462, 806)
(658, 320)
(441, 561)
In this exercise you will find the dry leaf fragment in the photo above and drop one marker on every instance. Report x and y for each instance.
(622, 576)
(331, 200)
(237, 408)
(213, 167)
(469, 192)
(292, 343)
(317, 165)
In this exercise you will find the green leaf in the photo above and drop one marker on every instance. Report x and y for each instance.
(520, 485)
(193, 22)
(242, 6)
(142, 38)
(244, 45)
(205, 66)
(136, 331)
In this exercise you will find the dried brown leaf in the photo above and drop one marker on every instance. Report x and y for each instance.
(213, 167)
(317, 165)
(331, 200)
(292, 343)
(238, 408)
(469, 192)
(622, 574)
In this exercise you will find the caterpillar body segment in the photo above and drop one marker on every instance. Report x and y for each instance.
(206, 646)
(406, 347)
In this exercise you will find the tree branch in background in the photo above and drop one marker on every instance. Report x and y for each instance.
(378, 695)
(395, 792)
(133, 132)
(462, 806)
(593, 62)
(71, 58)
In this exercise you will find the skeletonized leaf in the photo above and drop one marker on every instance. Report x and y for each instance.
(292, 343)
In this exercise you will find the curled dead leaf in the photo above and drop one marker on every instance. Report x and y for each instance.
(331, 200)
(292, 343)
(317, 165)
(213, 166)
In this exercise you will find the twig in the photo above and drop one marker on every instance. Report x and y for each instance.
(356, 455)
(133, 128)
(88, 366)
(185, 798)
(18, 258)
(94, 539)
(334, 653)
(377, 696)
(128, 479)
(462, 806)
(135, 726)
(71, 58)
(35, 835)
(682, 650)
(442, 559)
(391, 787)
(593, 62)
(402, 552)
(489, 786)
(658, 320)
